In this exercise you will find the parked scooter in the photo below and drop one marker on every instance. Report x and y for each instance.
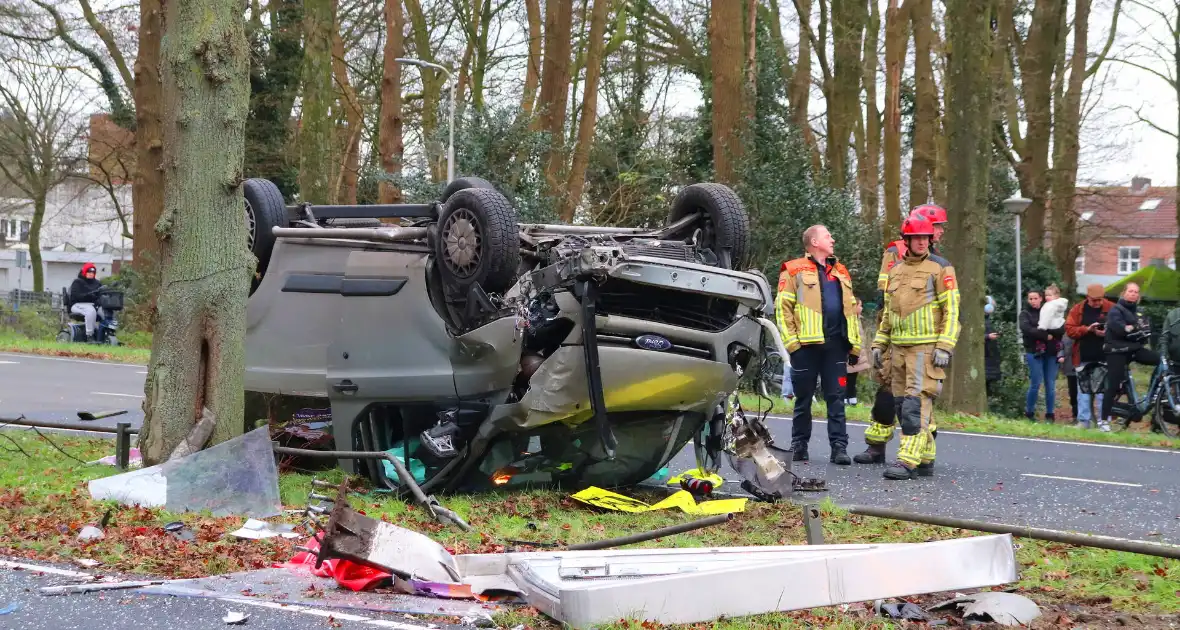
(108, 304)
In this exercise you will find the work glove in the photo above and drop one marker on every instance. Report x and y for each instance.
(878, 361)
(942, 358)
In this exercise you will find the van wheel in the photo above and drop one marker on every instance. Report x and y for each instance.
(264, 210)
(478, 241)
(723, 227)
(463, 183)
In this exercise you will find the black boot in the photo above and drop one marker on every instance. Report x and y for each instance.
(874, 454)
(925, 469)
(1050, 419)
(840, 457)
(800, 451)
(898, 471)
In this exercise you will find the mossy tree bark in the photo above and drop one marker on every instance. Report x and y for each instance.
(147, 188)
(726, 37)
(969, 114)
(317, 128)
(198, 347)
(390, 143)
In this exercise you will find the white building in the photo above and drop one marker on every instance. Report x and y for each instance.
(81, 224)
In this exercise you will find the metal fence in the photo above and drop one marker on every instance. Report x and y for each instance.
(16, 298)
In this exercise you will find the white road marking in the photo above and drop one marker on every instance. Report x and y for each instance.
(114, 394)
(9, 362)
(67, 360)
(1019, 439)
(318, 612)
(7, 564)
(1109, 483)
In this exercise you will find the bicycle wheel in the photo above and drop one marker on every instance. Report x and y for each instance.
(1165, 418)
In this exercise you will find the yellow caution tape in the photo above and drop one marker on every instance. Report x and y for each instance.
(682, 500)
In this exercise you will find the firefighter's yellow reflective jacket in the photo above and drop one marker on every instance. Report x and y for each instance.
(799, 303)
(893, 253)
(921, 304)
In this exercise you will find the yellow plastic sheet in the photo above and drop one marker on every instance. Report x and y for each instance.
(697, 473)
(682, 500)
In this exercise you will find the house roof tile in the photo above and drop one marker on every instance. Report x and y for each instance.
(1117, 211)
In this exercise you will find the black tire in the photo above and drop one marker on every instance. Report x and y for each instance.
(463, 183)
(264, 210)
(486, 217)
(1165, 419)
(724, 224)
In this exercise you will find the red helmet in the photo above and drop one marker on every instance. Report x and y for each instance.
(917, 226)
(87, 268)
(935, 214)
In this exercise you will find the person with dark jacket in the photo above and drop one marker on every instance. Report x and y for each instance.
(1041, 348)
(1086, 325)
(84, 292)
(1127, 333)
(991, 349)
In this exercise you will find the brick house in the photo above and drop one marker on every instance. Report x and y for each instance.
(1122, 229)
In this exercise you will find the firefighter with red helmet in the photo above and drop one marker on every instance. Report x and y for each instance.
(883, 413)
(918, 332)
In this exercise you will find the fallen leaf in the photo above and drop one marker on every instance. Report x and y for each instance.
(1057, 575)
(1160, 570)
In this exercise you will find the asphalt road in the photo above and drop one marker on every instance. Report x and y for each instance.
(57, 388)
(1101, 489)
(130, 610)
(1127, 492)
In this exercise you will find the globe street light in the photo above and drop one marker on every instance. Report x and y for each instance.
(451, 121)
(1016, 205)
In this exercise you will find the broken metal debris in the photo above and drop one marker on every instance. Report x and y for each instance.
(90, 533)
(902, 610)
(1006, 609)
(97, 586)
(372, 543)
(254, 529)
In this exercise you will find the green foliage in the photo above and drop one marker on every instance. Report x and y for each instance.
(136, 315)
(1008, 397)
(276, 54)
(488, 144)
(35, 321)
(778, 188)
(1038, 268)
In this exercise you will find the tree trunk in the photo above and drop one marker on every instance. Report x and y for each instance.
(147, 187)
(925, 153)
(471, 32)
(750, 65)
(480, 66)
(316, 135)
(1067, 123)
(844, 96)
(554, 97)
(390, 132)
(726, 56)
(350, 167)
(895, 47)
(869, 161)
(799, 93)
(589, 110)
(432, 86)
(969, 109)
(780, 43)
(197, 352)
(533, 72)
(35, 242)
(1036, 80)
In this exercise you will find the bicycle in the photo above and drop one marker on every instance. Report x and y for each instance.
(1162, 401)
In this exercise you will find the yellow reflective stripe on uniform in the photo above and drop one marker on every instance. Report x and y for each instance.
(784, 304)
(811, 324)
(950, 318)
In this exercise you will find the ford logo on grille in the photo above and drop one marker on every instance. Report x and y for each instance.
(653, 342)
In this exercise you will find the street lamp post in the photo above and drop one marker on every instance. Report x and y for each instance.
(451, 115)
(1016, 205)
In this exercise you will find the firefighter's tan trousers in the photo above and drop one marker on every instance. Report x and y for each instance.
(915, 382)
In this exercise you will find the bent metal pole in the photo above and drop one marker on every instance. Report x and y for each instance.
(1037, 533)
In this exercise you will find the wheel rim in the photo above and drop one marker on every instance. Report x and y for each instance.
(251, 225)
(463, 243)
(1165, 419)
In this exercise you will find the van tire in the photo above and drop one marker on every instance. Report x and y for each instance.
(484, 216)
(463, 183)
(724, 224)
(265, 209)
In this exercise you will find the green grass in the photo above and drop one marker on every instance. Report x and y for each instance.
(44, 503)
(1135, 435)
(12, 342)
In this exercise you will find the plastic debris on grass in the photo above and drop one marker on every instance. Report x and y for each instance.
(682, 500)
(236, 477)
